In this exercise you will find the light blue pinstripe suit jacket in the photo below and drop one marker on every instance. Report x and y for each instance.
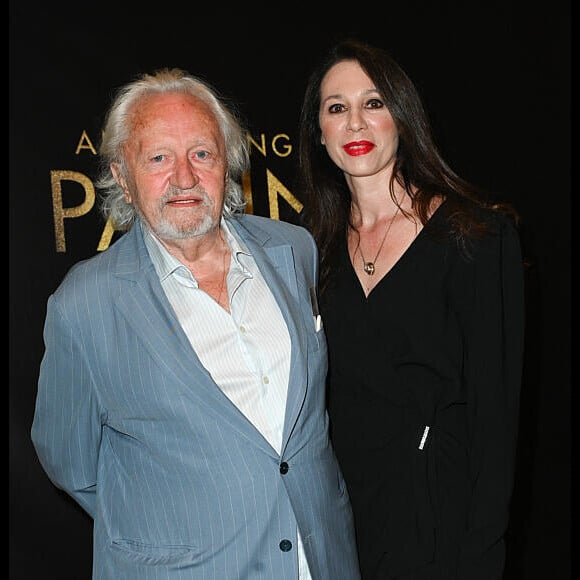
(179, 483)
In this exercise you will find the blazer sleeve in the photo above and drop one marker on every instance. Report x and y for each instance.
(493, 369)
(66, 429)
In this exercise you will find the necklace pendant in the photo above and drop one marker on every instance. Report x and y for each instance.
(369, 268)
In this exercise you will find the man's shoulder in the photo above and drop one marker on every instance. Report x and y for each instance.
(98, 268)
(272, 226)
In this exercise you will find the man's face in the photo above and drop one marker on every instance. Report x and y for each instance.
(177, 166)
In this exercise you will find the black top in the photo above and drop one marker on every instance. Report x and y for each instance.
(437, 343)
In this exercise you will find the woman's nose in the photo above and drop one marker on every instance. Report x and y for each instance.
(356, 121)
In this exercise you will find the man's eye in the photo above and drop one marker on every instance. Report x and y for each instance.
(158, 158)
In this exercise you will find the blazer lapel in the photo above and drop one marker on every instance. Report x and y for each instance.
(276, 263)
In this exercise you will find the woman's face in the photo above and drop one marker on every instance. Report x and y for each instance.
(358, 130)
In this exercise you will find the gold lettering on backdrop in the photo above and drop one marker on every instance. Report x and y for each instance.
(262, 149)
(283, 151)
(280, 150)
(60, 212)
(85, 143)
(287, 147)
(275, 188)
(106, 236)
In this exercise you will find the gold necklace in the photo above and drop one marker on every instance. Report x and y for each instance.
(369, 267)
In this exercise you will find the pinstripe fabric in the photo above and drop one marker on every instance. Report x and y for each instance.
(179, 483)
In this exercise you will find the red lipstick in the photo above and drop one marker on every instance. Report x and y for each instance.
(355, 148)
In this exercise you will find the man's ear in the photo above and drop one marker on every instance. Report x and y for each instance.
(117, 174)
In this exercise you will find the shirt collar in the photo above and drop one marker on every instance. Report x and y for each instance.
(166, 264)
(237, 246)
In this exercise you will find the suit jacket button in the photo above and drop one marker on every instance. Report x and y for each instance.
(285, 545)
(283, 468)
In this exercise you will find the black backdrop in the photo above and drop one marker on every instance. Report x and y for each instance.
(495, 77)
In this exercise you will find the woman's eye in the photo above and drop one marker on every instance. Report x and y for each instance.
(337, 108)
(374, 104)
(202, 155)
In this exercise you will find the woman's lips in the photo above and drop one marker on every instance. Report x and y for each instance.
(355, 148)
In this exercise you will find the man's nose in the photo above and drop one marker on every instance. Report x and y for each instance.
(184, 175)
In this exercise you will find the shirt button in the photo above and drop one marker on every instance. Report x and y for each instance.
(266, 380)
(283, 468)
(285, 545)
(243, 329)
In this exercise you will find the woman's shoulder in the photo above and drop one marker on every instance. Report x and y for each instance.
(475, 217)
(473, 229)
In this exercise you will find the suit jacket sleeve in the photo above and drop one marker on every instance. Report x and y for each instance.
(66, 429)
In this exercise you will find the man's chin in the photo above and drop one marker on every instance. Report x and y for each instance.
(182, 231)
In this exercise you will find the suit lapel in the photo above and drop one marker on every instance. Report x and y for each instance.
(276, 263)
